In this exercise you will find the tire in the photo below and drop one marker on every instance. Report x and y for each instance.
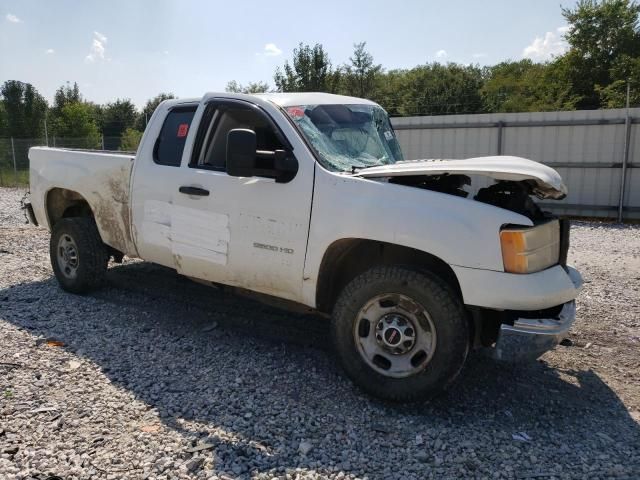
(434, 354)
(84, 266)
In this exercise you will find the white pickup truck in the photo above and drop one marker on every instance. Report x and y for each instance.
(306, 197)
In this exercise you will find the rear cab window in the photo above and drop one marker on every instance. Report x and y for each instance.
(173, 136)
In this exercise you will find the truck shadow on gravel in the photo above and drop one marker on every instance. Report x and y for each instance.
(254, 381)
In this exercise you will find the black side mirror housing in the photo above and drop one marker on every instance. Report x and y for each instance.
(241, 152)
(244, 160)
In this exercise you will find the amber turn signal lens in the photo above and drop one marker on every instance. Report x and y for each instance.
(514, 251)
(530, 249)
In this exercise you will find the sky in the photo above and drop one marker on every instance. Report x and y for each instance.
(138, 48)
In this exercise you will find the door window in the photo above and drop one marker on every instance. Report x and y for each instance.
(224, 118)
(170, 143)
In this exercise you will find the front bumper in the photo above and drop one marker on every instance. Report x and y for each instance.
(512, 291)
(528, 338)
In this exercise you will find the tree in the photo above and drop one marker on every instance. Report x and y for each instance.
(614, 95)
(251, 87)
(525, 86)
(602, 35)
(431, 89)
(25, 109)
(76, 121)
(359, 77)
(65, 95)
(116, 118)
(310, 71)
(149, 108)
(4, 121)
(130, 140)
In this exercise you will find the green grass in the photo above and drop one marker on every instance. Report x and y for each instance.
(8, 178)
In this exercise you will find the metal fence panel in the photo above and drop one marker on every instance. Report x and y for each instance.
(632, 190)
(586, 147)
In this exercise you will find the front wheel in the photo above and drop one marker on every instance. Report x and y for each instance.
(399, 334)
(78, 257)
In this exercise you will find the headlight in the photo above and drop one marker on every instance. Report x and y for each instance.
(530, 249)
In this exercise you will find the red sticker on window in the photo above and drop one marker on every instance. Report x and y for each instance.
(182, 130)
(295, 112)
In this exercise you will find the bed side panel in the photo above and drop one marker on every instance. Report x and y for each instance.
(101, 178)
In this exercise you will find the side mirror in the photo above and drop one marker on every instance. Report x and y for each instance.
(241, 152)
(243, 160)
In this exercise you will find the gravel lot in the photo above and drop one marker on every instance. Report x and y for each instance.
(157, 377)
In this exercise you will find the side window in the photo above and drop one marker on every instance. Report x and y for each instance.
(224, 118)
(170, 143)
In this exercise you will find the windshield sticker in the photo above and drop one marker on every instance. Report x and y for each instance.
(388, 135)
(295, 112)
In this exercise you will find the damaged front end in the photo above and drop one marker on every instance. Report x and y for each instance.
(510, 195)
(517, 180)
(529, 251)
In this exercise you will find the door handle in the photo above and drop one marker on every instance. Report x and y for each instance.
(194, 191)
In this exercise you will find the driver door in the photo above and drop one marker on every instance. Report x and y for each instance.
(249, 232)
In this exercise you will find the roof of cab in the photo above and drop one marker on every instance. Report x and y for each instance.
(282, 99)
(312, 98)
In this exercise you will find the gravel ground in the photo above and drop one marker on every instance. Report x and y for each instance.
(157, 377)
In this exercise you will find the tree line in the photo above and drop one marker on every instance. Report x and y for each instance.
(24, 113)
(603, 55)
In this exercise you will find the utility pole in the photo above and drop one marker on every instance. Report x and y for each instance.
(15, 166)
(46, 133)
(625, 155)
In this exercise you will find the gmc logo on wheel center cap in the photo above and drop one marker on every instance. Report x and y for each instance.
(392, 336)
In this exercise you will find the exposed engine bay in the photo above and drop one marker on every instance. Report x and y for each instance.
(508, 194)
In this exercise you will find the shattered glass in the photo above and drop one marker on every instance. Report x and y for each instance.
(348, 136)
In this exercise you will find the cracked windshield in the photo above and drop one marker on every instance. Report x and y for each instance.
(346, 137)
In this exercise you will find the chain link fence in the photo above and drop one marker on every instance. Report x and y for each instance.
(14, 154)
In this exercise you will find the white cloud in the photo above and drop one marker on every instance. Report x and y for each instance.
(479, 55)
(100, 37)
(98, 48)
(271, 50)
(547, 47)
(441, 54)
(50, 51)
(12, 18)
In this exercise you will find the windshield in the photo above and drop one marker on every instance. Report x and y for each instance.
(348, 136)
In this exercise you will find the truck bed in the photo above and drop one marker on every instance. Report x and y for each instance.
(101, 178)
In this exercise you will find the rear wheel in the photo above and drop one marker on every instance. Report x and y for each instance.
(78, 256)
(400, 334)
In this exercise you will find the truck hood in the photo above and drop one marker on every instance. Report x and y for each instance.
(546, 182)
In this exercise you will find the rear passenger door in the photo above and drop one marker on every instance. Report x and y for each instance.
(246, 232)
(154, 181)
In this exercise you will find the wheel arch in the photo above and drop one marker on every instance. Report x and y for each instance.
(63, 203)
(346, 258)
